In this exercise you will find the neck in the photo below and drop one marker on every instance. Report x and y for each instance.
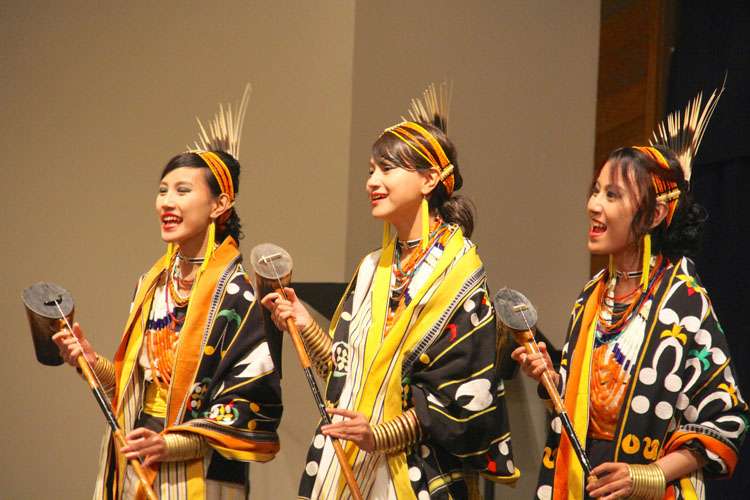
(628, 260)
(191, 249)
(411, 227)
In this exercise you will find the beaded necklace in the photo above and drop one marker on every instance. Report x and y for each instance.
(402, 274)
(612, 320)
(162, 333)
(619, 335)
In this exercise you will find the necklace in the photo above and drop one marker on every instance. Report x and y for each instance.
(409, 244)
(612, 320)
(402, 274)
(190, 260)
(173, 274)
(628, 275)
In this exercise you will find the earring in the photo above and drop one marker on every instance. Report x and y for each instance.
(386, 234)
(425, 209)
(646, 260)
(210, 244)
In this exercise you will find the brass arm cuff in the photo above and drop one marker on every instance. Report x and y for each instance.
(318, 344)
(397, 434)
(105, 371)
(184, 446)
(648, 481)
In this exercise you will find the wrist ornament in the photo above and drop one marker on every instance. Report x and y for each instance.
(184, 446)
(318, 344)
(397, 434)
(648, 481)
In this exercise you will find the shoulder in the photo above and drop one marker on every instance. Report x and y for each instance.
(237, 283)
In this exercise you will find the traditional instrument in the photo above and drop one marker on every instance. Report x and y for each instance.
(517, 313)
(273, 272)
(50, 309)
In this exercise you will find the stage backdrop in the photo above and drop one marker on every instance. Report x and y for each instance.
(96, 98)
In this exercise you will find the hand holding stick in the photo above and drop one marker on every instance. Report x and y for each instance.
(273, 267)
(518, 314)
(50, 308)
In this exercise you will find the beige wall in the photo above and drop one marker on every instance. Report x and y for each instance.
(96, 99)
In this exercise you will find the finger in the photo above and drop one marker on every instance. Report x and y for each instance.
(290, 294)
(612, 489)
(516, 354)
(269, 300)
(138, 433)
(603, 469)
(542, 347)
(60, 336)
(338, 435)
(337, 427)
(78, 331)
(538, 370)
(343, 412)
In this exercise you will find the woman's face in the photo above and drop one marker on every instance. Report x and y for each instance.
(611, 208)
(185, 206)
(395, 193)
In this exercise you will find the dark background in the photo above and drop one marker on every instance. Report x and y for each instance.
(714, 38)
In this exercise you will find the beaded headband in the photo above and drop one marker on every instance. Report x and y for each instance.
(438, 160)
(666, 191)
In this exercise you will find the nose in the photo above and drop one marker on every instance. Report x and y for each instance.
(165, 200)
(594, 206)
(373, 181)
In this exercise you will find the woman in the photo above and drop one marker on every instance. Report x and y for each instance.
(646, 373)
(193, 384)
(410, 357)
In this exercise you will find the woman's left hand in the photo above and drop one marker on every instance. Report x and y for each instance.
(355, 428)
(145, 444)
(612, 480)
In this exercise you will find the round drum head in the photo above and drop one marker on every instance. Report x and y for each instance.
(514, 310)
(270, 261)
(43, 298)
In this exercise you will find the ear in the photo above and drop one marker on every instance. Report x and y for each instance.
(431, 179)
(221, 204)
(660, 213)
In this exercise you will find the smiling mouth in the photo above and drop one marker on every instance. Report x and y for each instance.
(376, 197)
(597, 228)
(169, 220)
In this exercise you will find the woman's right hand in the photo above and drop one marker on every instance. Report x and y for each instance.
(283, 309)
(534, 365)
(70, 349)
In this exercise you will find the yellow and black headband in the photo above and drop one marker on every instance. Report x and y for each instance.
(666, 191)
(409, 133)
(220, 171)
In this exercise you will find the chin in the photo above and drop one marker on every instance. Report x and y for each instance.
(595, 249)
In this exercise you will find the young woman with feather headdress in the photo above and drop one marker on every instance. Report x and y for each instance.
(646, 372)
(410, 356)
(193, 383)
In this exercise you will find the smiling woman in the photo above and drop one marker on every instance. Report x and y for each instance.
(193, 382)
(410, 355)
(646, 371)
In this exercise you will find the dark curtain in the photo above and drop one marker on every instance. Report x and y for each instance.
(714, 38)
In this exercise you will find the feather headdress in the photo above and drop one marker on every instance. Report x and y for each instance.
(225, 129)
(433, 107)
(683, 132)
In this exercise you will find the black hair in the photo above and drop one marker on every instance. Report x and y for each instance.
(231, 226)
(454, 209)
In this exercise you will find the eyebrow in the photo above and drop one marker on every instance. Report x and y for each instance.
(178, 183)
